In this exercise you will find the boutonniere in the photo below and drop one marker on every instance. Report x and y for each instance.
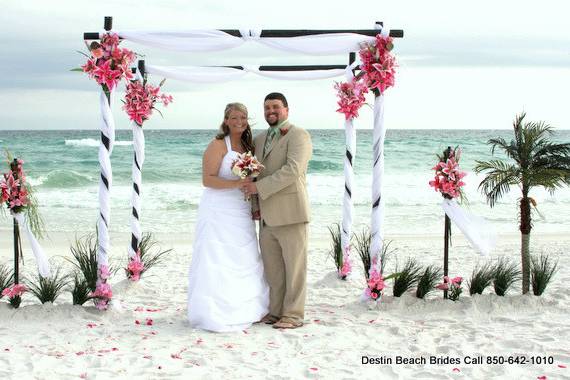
(284, 131)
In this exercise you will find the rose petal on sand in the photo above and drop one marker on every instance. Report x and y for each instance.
(561, 366)
(175, 356)
(372, 321)
(140, 308)
(83, 376)
(91, 325)
(147, 357)
(314, 369)
(456, 370)
(137, 322)
(79, 353)
(542, 377)
(149, 322)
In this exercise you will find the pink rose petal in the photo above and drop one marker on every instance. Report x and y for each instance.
(314, 369)
(561, 366)
(542, 377)
(456, 370)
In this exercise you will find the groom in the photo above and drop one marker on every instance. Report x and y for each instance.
(284, 150)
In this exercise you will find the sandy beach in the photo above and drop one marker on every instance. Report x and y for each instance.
(145, 334)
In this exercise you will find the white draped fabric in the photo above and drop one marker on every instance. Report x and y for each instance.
(215, 40)
(41, 258)
(478, 232)
(377, 215)
(201, 74)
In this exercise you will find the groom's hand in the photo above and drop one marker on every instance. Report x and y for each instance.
(249, 188)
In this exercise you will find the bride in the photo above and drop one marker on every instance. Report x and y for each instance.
(227, 289)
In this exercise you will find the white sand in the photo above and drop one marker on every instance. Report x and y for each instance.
(65, 341)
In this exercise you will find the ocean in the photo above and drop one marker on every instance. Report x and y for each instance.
(63, 168)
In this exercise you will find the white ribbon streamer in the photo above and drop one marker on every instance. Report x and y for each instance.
(201, 74)
(215, 40)
(477, 231)
(41, 259)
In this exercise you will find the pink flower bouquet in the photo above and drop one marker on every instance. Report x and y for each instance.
(140, 100)
(378, 63)
(376, 283)
(453, 285)
(351, 96)
(13, 187)
(135, 267)
(107, 63)
(14, 293)
(448, 176)
(246, 165)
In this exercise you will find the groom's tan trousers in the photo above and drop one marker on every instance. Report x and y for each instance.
(285, 215)
(284, 253)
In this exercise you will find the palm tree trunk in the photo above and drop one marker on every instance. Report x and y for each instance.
(525, 259)
(525, 228)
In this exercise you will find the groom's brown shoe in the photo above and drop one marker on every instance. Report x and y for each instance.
(269, 319)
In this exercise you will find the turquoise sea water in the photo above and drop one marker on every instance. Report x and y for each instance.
(63, 167)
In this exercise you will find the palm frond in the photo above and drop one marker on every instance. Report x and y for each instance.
(499, 178)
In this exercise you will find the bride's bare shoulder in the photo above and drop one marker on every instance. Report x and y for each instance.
(216, 146)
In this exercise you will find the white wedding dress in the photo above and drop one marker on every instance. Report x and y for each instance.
(227, 290)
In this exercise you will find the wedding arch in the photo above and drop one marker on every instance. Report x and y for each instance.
(300, 41)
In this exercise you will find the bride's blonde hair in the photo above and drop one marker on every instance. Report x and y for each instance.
(246, 137)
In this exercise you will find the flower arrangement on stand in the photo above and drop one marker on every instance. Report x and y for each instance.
(448, 181)
(141, 98)
(16, 194)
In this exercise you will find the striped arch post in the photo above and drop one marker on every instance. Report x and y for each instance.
(136, 169)
(107, 127)
(377, 216)
(347, 204)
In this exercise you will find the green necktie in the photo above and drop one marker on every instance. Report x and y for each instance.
(270, 135)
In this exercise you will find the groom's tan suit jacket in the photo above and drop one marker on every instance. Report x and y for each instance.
(282, 184)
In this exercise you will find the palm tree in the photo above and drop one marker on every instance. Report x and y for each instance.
(537, 162)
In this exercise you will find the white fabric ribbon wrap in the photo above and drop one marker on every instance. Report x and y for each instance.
(476, 229)
(201, 74)
(41, 259)
(215, 40)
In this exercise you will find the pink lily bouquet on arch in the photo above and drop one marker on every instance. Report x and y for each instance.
(140, 100)
(107, 63)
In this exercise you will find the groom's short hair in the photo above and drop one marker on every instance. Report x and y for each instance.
(277, 96)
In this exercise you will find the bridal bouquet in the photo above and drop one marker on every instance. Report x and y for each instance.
(246, 165)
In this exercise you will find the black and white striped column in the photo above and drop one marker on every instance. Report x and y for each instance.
(347, 204)
(107, 128)
(138, 160)
(377, 216)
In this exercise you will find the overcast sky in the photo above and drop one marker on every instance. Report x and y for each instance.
(462, 64)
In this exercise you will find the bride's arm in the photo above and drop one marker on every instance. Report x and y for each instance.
(211, 162)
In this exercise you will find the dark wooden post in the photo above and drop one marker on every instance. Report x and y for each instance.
(16, 251)
(108, 23)
(447, 237)
(446, 250)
